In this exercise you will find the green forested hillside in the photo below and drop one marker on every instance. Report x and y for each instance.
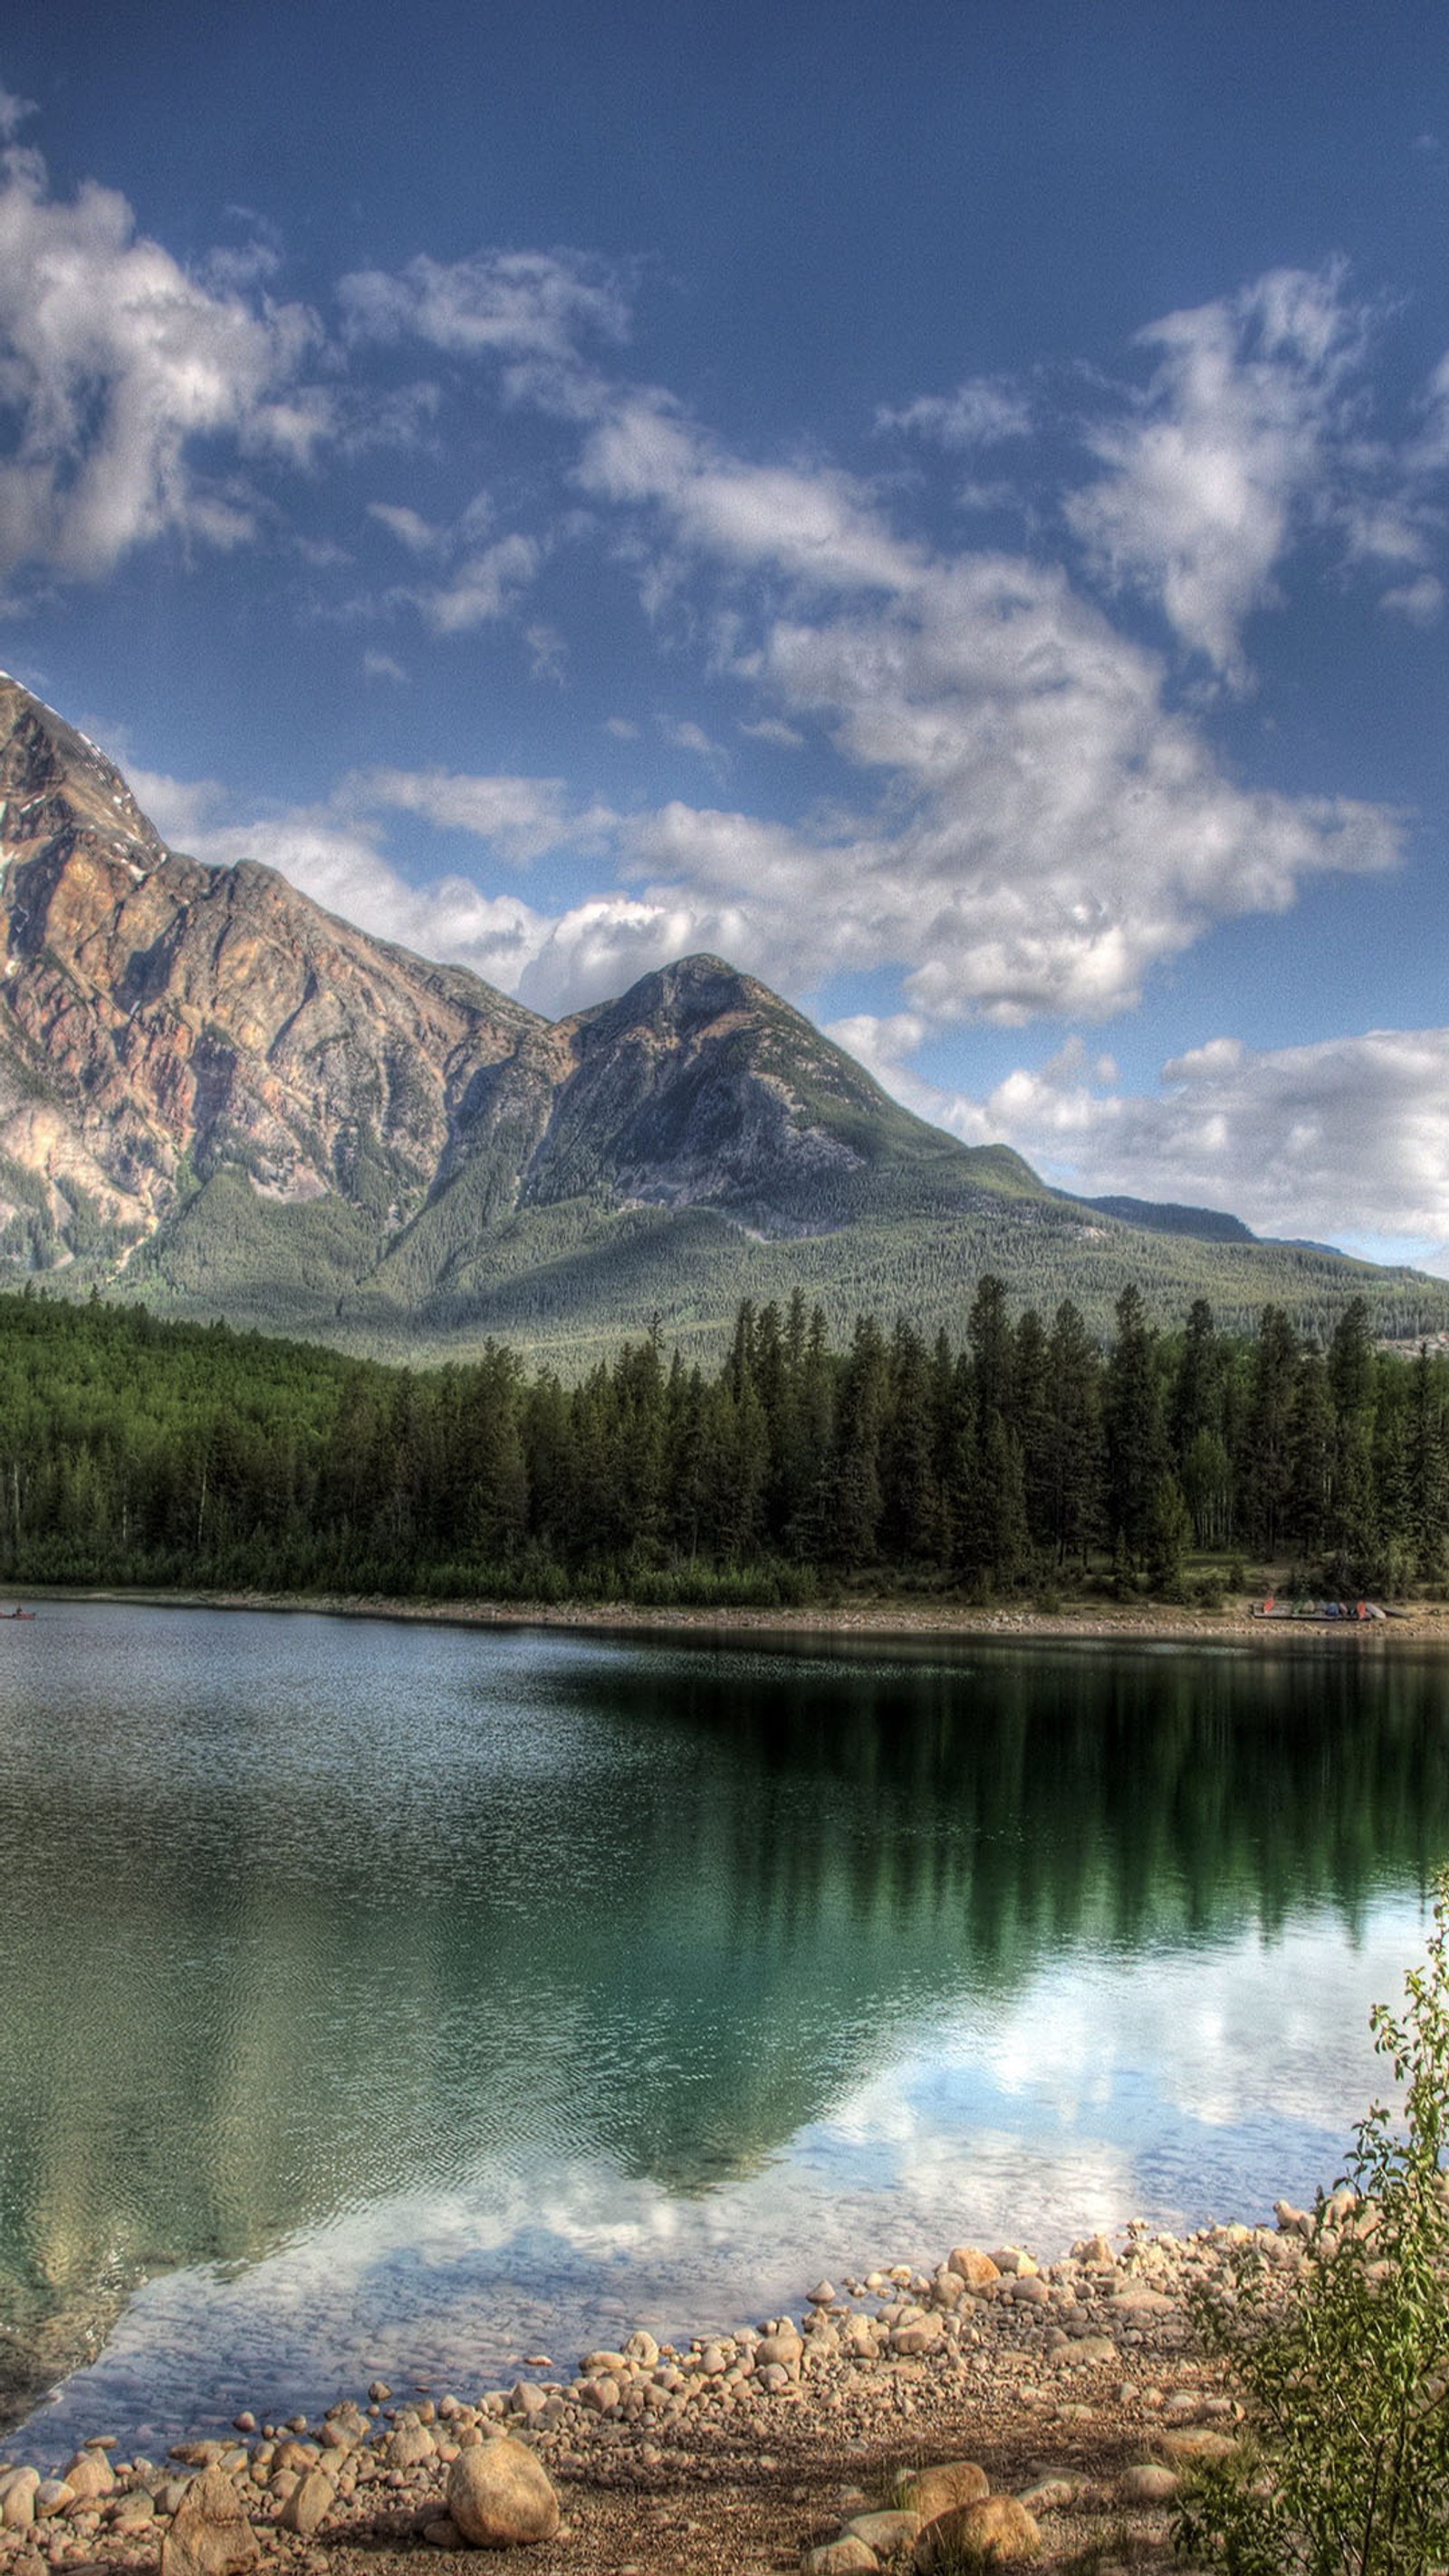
(568, 1281)
(139, 1451)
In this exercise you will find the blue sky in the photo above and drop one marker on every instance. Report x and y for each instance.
(946, 506)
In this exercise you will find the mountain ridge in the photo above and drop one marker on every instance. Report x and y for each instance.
(215, 1093)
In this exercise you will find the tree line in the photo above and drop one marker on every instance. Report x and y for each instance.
(1028, 1457)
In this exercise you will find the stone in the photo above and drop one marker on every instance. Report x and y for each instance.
(930, 2492)
(443, 2533)
(17, 2512)
(784, 2348)
(1196, 2442)
(605, 2365)
(823, 2295)
(975, 2268)
(889, 2534)
(1049, 2495)
(90, 2475)
(601, 2395)
(210, 2534)
(134, 2511)
(913, 2339)
(1131, 2301)
(1012, 2263)
(1030, 2290)
(843, 2557)
(407, 2448)
(309, 2503)
(499, 2495)
(51, 2497)
(379, 2392)
(1148, 2482)
(1088, 2348)
(643, 2349)
(995, 2531)
(1093, 2250)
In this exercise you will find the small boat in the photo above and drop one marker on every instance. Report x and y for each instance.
(17, 1614)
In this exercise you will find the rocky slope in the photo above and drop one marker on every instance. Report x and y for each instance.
(218, 1094)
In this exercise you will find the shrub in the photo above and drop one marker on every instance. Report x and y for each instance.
(1345, 2370)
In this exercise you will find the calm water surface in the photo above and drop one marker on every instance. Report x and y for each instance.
(408, 2000)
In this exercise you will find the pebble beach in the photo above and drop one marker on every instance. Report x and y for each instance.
(1062, 2400)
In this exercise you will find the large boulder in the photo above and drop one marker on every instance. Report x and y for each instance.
(309, 2504)
(975, 2268)
(930, 2492)
(498, 2495)
(992, 2532)
(210, 2534)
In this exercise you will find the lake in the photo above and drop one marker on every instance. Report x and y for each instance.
(382, 1998)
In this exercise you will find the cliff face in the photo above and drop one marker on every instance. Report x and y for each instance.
(164, 1022)
(178, 1016)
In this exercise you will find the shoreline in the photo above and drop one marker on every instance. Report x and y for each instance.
(1077, 2386)
(885, 1616)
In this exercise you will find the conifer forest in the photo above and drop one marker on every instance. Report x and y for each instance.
(1033, 1460)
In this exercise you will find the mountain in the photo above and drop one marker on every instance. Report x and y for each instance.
(217, 1095)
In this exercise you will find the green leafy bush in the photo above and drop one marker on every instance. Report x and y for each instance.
(1344, 2469)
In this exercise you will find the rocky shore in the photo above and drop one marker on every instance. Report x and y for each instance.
(886, 1616)
(1050, 2410)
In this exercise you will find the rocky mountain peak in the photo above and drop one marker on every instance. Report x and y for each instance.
(56, 786)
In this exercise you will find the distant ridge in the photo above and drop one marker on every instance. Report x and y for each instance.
(1206, 1225)
(219, 1096)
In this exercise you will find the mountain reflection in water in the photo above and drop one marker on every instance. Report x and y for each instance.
(367, 1982)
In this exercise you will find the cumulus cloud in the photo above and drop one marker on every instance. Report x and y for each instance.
(1343, 1141)
(1233, 440)
(114, 364)
(519, 818)
(814, 522)
(1051, 830)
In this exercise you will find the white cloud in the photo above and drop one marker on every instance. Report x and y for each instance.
(772, 729)
(115, 362)
(814, 523)
(521, 304)
(381, 666)
(683, 734)
(409, 529)
(13, 113)
(1232, 442)
(1344, 1141)
(519, 818)
(1051, 831)
(1420, 601)
(482, 588)
(982, 412)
